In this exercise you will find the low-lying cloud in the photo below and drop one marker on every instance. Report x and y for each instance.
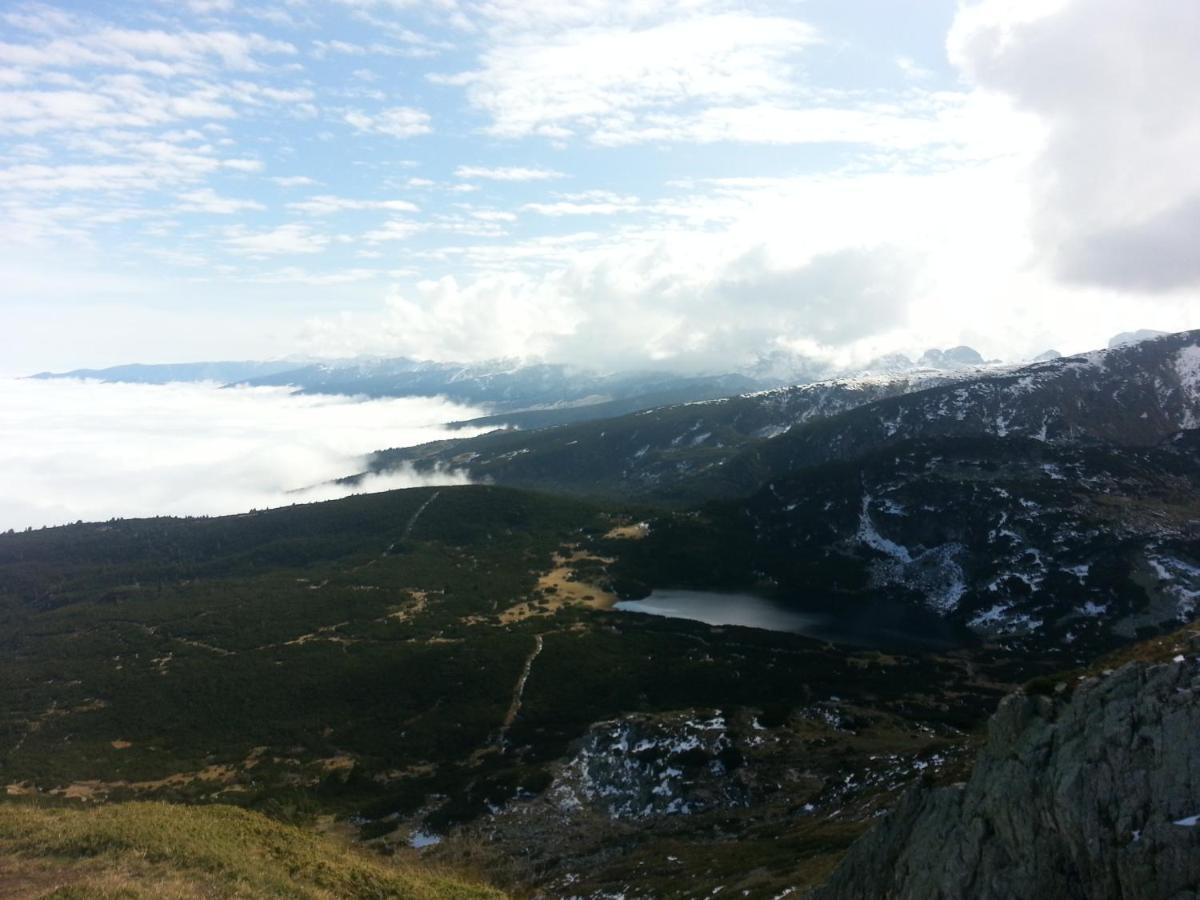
(683, 303)
(72, 450)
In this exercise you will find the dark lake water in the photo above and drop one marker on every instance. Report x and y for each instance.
(715, 608)
(881, 628)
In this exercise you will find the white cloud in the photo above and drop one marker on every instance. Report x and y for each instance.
(586, 203)
(84, 450)
(393, 230)
(415, 46)
(912, 69)
(324, 48)
(593, 80)
(283, 240)
(136, 101)
(114, 102)
(326, 204)
(843, 266)
(690, 72)
(291, 181)
(523, 17)
(934, 125)
(205, 7)
(688, 305)
(507, 173)
(122, 113)
(243, 165)
(296, 275)
(156, 167)
(493, 215)
(78, 42)
(206, 200)
(396, 121)
(1117, 183)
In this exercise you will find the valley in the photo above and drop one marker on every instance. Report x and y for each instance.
(329, 660)
(468, 674)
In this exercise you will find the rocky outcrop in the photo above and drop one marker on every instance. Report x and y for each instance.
(643, 766)
(953, 358)
(1134, 337)
(1096, 796)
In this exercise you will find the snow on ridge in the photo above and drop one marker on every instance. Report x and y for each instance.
(868, 534)
(1180, 580)
(1003, 619)
(636, 767)
(934, 572)
(1187, 367)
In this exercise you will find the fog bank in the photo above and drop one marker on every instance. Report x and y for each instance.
(72, 450)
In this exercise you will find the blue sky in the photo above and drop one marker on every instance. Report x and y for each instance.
(689, 183)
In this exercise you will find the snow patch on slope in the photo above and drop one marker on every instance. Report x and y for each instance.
(1180, 580)
(935, 572)
(869, 535)
(1187, 367)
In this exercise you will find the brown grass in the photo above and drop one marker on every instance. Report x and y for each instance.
(155, 850)
(559, 588)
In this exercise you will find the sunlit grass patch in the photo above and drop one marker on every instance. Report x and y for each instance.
(138, 850)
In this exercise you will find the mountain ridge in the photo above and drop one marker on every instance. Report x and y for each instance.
(1137, 394)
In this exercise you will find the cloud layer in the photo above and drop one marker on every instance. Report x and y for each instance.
(686, 183)
(672, 305)
(1117, 180)
(73, 450)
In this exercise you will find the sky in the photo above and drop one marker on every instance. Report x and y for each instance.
(75, 450)
(684, 183)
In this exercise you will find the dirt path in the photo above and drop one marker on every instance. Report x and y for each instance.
(200, 645)
(519, 691)
(413, 521)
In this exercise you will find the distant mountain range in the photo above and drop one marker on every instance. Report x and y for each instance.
(552, 393)
(526, 395)
(1136, 394)
(505, 385)
(166, 373)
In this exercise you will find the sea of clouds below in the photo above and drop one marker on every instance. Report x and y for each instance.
(83, 450)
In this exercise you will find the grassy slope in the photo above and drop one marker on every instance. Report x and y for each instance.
(174, 635)
(155, 850)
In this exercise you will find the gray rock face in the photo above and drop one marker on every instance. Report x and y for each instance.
(1095, 797)
(640, 767)
(951, 358)
(1134, 337)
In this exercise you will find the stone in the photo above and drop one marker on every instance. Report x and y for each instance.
(1072, 798)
